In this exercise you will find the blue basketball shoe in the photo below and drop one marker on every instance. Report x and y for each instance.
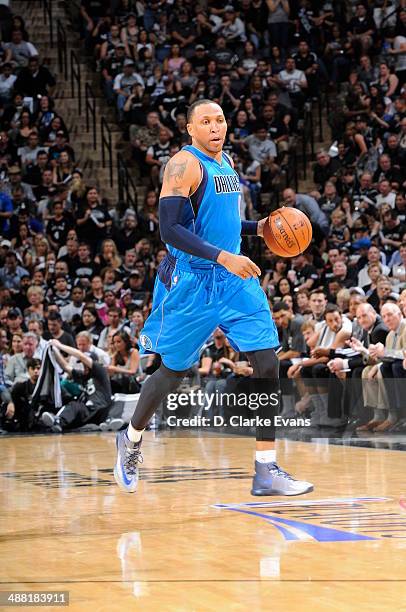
(269, 479)
(128, 458)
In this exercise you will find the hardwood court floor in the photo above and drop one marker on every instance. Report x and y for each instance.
(66, 526)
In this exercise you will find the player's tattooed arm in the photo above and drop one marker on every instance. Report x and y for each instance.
(180, 175)
(176, 173)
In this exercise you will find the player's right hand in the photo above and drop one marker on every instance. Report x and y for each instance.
(239, 265)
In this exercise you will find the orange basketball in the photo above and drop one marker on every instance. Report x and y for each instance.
(287, 232)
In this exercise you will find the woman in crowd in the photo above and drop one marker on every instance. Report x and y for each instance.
(124, 365)
(91, 323)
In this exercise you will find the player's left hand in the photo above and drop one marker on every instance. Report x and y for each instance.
(260, 228)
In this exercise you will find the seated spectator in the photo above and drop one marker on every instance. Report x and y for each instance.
(124, 365)
(294, 82)
(309, 206)
(382, 382)
(91, 323)
(123, 84)
(84, 341)
(373, 332)
(325, 169)
(374, 256)
(115, 324)
(332, 334)
(35, 80)
(20, 413)
(93, 404)
(19, 50)
(293, 346)
(17, 366)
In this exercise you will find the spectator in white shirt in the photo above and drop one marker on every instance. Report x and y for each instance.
(293, 81)
(7, 80)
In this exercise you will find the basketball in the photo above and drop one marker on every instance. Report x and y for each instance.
(287, 232)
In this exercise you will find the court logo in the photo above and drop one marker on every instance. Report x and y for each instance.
(145, 342)
(327, 520)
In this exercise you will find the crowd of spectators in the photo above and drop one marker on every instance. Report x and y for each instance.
(76, 269)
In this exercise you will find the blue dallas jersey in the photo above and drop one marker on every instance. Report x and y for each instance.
(214, 210)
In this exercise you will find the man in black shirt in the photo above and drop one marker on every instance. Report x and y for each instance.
(55, 330)
(58, 226)
(94, 402)
(86, 268)
(35, 80)
(20, 411)
(302, 274)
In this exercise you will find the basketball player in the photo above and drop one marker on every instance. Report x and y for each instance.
(204, 283)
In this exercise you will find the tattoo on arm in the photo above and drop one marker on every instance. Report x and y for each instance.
(175, 174)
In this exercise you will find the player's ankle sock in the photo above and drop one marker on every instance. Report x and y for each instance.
(265, 456)
(134, 434)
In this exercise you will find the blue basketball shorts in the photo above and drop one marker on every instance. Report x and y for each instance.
(190, 302)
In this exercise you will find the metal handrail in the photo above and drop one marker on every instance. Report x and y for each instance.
(75, 76)
(47, 7)
(127, 190)
(61, 42)
(106, 145)
(90, 108)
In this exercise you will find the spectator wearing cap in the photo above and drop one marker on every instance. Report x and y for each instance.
(184, 32)
(232, 28)
(35, 80)
(60, 145)
(309, 207)
(199, 60)
(123, 84)
(17, 368)
(112, 65)
(15, 181)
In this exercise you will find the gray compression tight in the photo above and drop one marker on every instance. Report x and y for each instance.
(164, 381)
(154, 390)
(265, 364)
